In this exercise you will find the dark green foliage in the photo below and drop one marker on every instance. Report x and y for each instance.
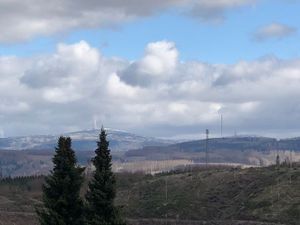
(62, 203)
(102, 188)
(277, 161)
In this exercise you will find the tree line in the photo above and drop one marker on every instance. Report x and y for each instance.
(62, 202)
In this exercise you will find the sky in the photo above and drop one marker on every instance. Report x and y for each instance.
(158, 68)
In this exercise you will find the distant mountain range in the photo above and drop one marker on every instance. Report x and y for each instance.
(134, 151)
(83, 141)
(247, 150)
(123, 141)
(237, 143)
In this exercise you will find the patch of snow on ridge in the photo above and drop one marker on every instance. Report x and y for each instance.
(82, 140)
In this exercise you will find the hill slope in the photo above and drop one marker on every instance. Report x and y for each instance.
(256, 194)
(218, 195)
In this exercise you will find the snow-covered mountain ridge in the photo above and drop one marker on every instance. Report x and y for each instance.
(83, 140)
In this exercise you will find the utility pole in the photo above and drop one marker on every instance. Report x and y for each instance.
(291, 166)
(221, 125)
(166, 195)
(166, 190)
(291, 159)
(206, 148)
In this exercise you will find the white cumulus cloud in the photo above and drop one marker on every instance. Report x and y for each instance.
(157, 94)
(159, 62)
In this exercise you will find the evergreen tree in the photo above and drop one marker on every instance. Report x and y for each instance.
(61, 191)
(277, 161)
(100, 209)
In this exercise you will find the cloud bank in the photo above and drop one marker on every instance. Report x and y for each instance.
(24, 20)
(157, 94)
(214, 11)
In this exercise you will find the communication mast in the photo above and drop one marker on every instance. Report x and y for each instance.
(291, 165)
(221, 125)
(206, 148)
(95, 123)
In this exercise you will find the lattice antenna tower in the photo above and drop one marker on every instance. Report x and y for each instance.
(206, 148)
(221, 125)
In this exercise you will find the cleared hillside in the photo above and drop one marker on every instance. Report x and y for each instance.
(219, 195)
(256, 194)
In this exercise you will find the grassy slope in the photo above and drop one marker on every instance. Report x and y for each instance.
(263, 194)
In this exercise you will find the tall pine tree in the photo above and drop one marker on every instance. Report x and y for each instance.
(100, 209)
(61, 192)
